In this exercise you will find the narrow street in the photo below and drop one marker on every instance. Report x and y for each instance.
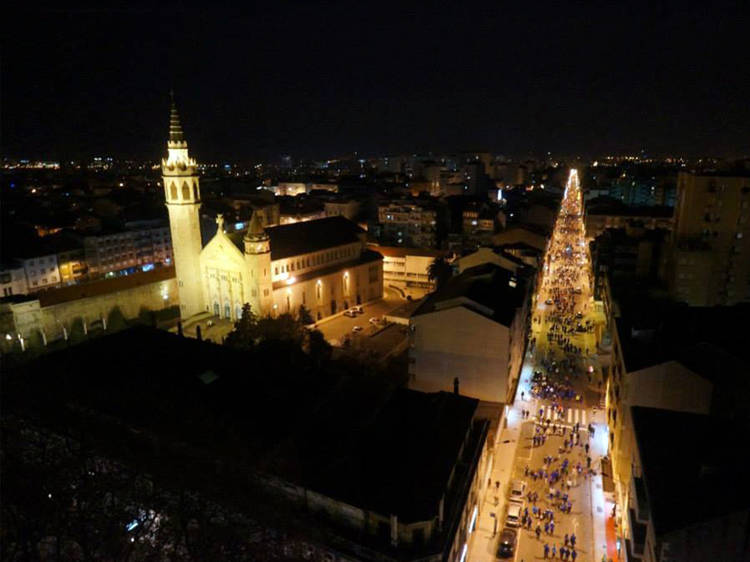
(556, 432)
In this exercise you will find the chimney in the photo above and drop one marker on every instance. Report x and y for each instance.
(455, 386)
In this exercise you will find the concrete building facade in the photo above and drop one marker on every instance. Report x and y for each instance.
(710, 260)
(471, 334)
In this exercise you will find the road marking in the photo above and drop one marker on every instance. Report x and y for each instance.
(583, 417)
(570, 415)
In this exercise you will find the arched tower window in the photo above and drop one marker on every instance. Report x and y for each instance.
(185, 192)
(195, 191)
(173, 192)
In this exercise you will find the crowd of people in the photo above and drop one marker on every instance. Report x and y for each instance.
(560, 343)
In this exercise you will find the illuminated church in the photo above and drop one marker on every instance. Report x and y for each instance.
(323, 264)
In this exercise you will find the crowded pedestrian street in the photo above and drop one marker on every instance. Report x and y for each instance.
(551, 498)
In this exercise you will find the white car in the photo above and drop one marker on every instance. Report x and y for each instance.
(359, 309)
(357, 329)
(517, 491)
(513, 518)
(374, 320)
(350, 313)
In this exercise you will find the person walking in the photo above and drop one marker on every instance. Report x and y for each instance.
(574, 555)
(573, 540)
(538, 531)
(566, 539)
(546, 550)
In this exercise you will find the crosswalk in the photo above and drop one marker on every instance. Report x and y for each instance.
(568, 416)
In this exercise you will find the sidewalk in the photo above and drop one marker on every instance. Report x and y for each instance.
(600, 507)
(484, 544)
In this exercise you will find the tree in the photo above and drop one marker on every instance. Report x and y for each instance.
(439, 271)
(304, 315)
(246, 330)
(318, 348)
(284, 328)
(116, 320)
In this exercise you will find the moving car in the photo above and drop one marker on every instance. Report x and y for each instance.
(357, 329)
(507, 543)
(350, 313)
(548, 301)
(374, 320)
(513, 518)
(359, 309)
(517, 491)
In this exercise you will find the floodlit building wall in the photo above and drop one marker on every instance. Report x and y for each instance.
(458, 342)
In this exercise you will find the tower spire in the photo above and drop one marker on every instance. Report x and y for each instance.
(175, 127)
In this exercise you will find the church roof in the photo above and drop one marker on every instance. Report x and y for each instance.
(305, 237)
(311, 236)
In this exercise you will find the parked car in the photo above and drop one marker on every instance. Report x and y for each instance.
(517, 491)
(359, 309)
(548, 301)
(513, 518)
(350, 313)
(507, 542)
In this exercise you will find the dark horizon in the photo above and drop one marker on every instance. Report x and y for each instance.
(319, 81)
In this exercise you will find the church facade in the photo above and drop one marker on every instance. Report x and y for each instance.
(322, 264)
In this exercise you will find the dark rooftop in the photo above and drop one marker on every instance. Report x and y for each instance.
(307, 236)
(393, 456)
(652, 332)
(487, 285)
(355, 438)
(700, 474)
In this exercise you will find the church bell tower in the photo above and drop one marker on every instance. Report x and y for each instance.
(258, 260)
(183, 198)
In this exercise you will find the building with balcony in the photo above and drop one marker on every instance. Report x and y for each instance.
(409, 223)
(140, 246)
(709, 262)
(13, 279)
(405, 270)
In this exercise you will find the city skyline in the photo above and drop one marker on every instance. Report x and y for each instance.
(315, 81)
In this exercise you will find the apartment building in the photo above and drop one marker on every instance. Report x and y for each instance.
(406, 270)
(141, 245)
(709, 262)
(405, 223)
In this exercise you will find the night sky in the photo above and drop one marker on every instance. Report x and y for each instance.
(317, 80)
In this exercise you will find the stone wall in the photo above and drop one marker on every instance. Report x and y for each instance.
(94, 306)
